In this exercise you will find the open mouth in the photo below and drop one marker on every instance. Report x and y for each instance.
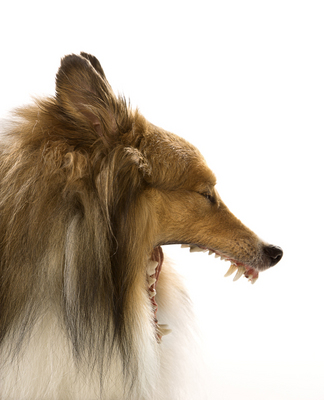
(154, 267)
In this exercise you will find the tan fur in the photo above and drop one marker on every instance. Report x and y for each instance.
(89, 189)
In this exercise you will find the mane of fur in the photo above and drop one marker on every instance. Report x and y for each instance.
(70, 180)
(78, 225)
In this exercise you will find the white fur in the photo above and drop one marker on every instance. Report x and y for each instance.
(45, 368)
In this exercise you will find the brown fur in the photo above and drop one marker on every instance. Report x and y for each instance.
(88, 189)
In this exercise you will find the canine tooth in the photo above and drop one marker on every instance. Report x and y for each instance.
(195, 249)
(239, 273)
(152, 293)
(164, 329)
(151, 265)
(231, 270)
(253, 280)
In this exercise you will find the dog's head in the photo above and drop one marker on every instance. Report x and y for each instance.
(114, 188)
(160, 170)
(155, 187)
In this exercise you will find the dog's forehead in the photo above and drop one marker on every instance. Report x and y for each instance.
(200, 177)
(170, 154)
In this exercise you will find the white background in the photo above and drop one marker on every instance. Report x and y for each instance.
(244, 82)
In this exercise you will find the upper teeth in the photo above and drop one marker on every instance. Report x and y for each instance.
(239, 273)
(231, 270)
(194, 249)
(239, 270)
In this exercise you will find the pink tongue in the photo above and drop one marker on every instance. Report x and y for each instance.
(252, 273)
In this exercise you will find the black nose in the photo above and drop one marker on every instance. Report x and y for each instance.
(274, 253)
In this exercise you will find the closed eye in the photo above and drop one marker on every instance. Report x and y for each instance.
(209, 197)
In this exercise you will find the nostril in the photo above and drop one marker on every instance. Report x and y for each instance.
(275, 254)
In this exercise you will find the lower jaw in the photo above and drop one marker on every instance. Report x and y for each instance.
(154, 267)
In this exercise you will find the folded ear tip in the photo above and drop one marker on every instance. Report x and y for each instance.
(85, 66)
(85, 55)
(77, 63)
(88, 57)
(71, 67)
(71, 59)
(94, 62)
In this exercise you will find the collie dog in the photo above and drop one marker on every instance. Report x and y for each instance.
(89, 192)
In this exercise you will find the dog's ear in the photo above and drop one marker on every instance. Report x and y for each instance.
(84, 94)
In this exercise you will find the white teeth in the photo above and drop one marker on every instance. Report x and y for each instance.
(163, 329)
(152, 293)
(195, 249)
(239, 273)
(151, 280)
(151, 265)
(231, 270)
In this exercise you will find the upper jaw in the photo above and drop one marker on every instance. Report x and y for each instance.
(253, 259)
(241, 268)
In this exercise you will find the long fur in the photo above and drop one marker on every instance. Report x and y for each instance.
(89, 189)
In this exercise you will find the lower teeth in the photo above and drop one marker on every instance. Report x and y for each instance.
(163, 329)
